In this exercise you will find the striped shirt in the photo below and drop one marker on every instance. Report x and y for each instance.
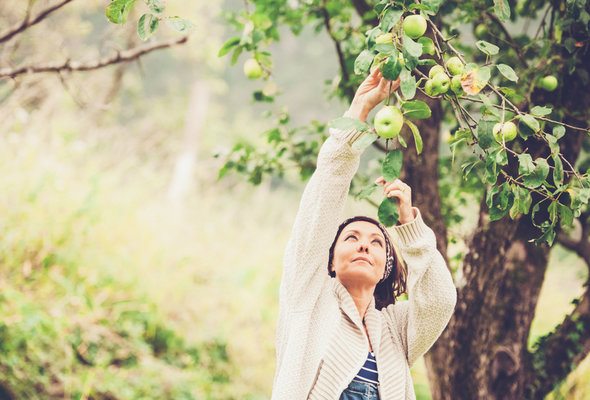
(368, 372)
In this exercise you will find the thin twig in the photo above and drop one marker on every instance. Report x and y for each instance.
(27, 22)
(118, 57)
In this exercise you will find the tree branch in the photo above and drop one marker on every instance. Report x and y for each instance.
(509, 39)
(341, 58)
(68, 66)
(28, 21)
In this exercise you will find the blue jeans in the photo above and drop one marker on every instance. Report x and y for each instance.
(360, 391)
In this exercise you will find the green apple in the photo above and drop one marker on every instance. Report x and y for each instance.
(427, 45)
(428, 88)
(456, 85)
(441, 83)
(506, 130)
(388, 122)
(384, 38)
(549, 83)
(455, 66)
(414, 26)
(481, 30)
(437, 69)
(252, 69)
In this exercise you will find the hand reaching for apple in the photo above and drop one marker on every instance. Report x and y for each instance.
(372, 91)
(403, 192)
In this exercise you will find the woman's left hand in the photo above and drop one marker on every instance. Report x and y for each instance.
(403, 192)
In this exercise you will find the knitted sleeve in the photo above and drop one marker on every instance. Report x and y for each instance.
(432, 296)
(316, 222)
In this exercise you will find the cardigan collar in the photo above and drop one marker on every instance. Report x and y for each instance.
(372, 316)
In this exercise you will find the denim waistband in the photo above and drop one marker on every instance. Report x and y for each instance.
(366, 387)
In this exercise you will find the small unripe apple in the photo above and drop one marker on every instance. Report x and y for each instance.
(414, 26)
(427, 45)
(437, 69)
(455, 66)
(441, 83)
(252, 69)
(549, 83)
(481, 30)
(428, 88)
(388, 122)
(506, 130)
(384, 38)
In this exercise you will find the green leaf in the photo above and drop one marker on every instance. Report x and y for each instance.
(487, 48)
(525, 164)
(547, 236)
(433, 5)
(531, 122)
(413, 48)
(156, 6)
(502, 203)
(558, 131)
(228, 45)
(491, 170)
(147, 25)
(488, 106)
(118, 10)
(363, 62)
(388, 212)
(402, 141)
(364, 141)
(407, 84)
(508, 72)
(386, 48)
(557, 170)
(416, 109)
(392, 165)
(565, 215)
(502, 10)
(391, 68)
(389, 19)
(179, 24)
(485, 136)
(366, 191)
(417, 137)
(345, 123)
(541, 111)
(539, 174)
(501, 156)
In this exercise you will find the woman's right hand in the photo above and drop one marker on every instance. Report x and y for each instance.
(372, 91)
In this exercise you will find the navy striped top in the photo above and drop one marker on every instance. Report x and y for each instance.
(368, 372)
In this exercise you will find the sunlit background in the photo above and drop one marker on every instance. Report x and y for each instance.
(127, 270)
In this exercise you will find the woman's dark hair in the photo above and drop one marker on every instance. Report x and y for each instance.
(388, 289)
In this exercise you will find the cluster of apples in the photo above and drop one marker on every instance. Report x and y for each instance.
(389, 120)
(439, 82)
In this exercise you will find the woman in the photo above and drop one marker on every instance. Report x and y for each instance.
(340, 333)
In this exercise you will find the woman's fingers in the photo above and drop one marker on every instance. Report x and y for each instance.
(380, 180)
(395, 193)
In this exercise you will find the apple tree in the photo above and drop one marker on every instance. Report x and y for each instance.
(511, 79)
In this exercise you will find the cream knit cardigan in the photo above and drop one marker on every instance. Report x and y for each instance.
(320, 340)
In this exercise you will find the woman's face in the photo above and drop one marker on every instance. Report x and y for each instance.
(360, 239)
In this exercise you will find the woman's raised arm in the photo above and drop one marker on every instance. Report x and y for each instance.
(320, 209)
